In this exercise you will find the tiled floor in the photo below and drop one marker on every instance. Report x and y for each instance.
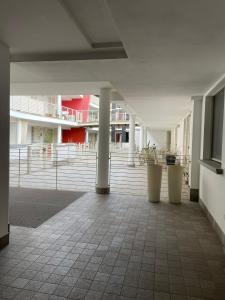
(115, 247)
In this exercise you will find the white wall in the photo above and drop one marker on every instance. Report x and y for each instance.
(157, 137)
(173, 140)
(183, 135)
(13, 133)
(137, 137)
(212, 193)
(29, 134)
(180, 137)
(212, 185)
(26, 133)
(42, 105)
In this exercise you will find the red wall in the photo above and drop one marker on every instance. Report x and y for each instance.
(82, 103)
(74, 135)
(78, 103)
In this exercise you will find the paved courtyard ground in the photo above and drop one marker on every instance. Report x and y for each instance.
(115, 247)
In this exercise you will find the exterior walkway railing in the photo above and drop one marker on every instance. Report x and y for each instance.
(133, 180)
(74, 167)
(32, 105)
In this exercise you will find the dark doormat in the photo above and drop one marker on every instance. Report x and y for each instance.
(32, 207)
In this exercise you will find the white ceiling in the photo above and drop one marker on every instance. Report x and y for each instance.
(175, 50)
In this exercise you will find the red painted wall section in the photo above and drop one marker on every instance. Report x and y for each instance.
(74, 135)
(82, 103)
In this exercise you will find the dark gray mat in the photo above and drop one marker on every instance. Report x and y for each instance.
(32, 207)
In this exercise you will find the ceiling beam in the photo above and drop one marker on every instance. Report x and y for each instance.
(66, 56)
(83, 32)
(67, 10)
(107, 45)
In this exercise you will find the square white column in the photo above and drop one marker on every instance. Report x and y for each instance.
(102, 186)
(59, 134)
(131, 154)
(195, 147)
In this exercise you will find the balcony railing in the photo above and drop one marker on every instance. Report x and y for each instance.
(42, 108)
(91, 116)
(31, 105)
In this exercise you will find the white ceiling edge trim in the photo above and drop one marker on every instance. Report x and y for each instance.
(47, 120)
(216, 87)
(57, 88)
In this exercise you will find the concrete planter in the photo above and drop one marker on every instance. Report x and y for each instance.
(154, 177)
(175, 177)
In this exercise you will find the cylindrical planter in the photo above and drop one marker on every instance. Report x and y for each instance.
(154, 177)
(175, 177)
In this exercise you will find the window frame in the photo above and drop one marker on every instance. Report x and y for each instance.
(213, 124)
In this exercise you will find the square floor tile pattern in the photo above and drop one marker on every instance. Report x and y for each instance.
(115, 247)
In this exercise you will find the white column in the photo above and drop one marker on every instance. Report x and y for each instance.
(195, 147)
(42, 135)
(59, 134)
(175, 139)
(24, 129)
(59, 105)
(184, 135)
(141, 144)
(102, 186)
(131, 154)
(4, 149)
(29, 158)
(144, 136)
(19, 131)
(86, 136)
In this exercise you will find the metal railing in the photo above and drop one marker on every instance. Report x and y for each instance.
(74, 167)
(92, 116)
(42, 107)
(118, 116)
(45, 108)
(133, 180)
(63, 167)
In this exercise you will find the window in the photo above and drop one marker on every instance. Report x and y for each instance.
(217, 126)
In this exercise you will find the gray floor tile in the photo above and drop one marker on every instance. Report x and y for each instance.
(115, 247)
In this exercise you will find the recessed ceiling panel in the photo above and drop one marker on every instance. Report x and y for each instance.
(31, 26)
(94, 19)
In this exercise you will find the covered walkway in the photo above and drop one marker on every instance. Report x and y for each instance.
(163, 62)
(115, 247)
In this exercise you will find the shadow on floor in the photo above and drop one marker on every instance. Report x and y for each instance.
(32, 207)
